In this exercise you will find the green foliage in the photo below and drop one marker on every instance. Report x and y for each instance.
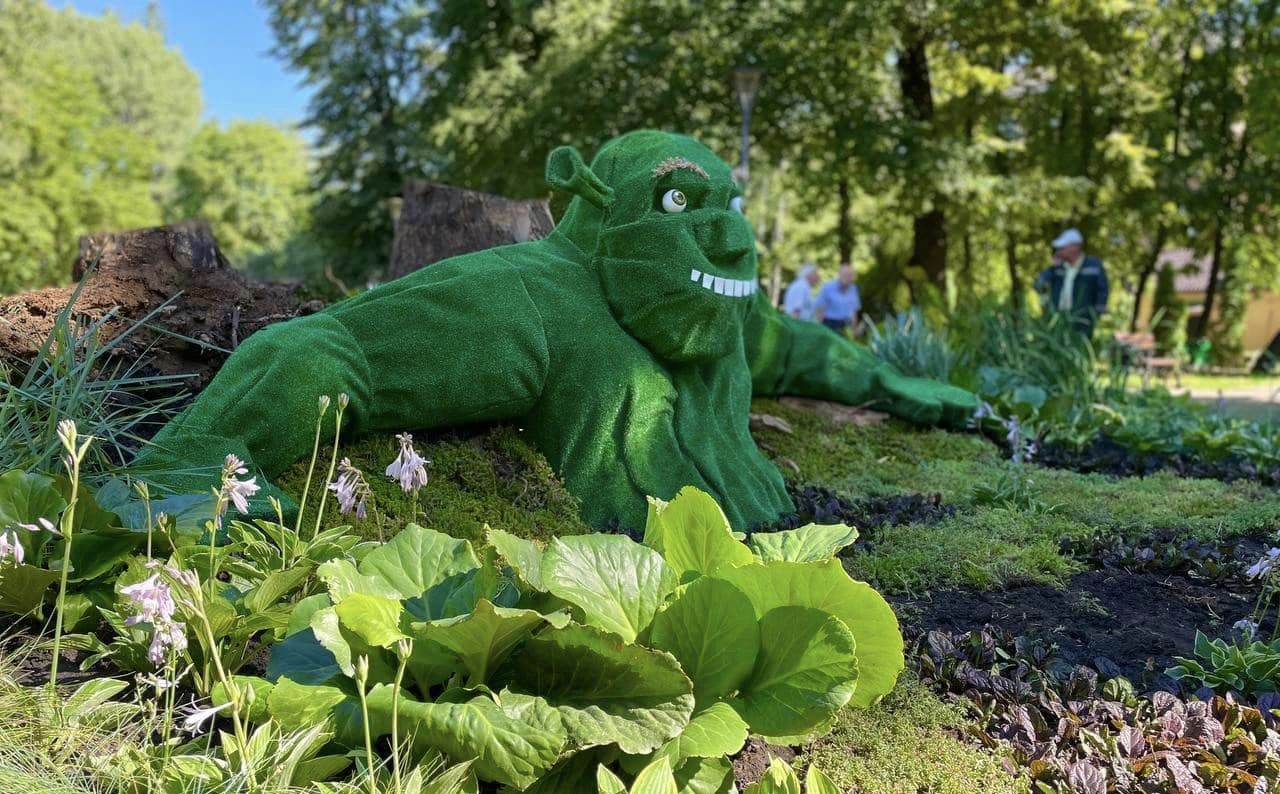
(249, 181)
(93, 115)
(1246, 669)
(591, 642)
(908, 342)
(1170, 327)
(77, 375)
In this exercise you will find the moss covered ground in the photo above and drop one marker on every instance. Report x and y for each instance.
(912, 741)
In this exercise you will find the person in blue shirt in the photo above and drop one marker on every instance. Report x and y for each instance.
(839, 302)
(799, 301)
(1075, 283)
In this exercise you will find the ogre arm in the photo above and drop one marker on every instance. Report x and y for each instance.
(461, 341)
(805, 359)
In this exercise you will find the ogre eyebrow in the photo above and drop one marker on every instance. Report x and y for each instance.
(675, 163)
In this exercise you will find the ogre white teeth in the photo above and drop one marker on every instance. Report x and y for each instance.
(720, 285)
(707, 280)
(695, 274)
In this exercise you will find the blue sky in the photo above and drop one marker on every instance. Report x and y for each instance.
(227, 43)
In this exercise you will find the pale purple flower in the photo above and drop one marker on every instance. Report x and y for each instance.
(166, 637)
(41, 525)
(152, 599)
(1246, 627)
(351, 489)
(11, 547)
(195, 719)
(235, 490)
(409, 467)
(1264, 564)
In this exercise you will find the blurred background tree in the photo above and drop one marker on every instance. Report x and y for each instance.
(937, 144)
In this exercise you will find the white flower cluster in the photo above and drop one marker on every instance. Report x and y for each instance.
(409, 467)
(154, 603)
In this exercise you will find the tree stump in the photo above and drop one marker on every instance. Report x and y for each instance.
(134, 273)
(437, 222)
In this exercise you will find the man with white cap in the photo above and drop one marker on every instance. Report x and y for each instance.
(798, 300)
(1075, 283)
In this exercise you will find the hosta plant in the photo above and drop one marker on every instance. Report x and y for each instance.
(541, 663)
(658, 778)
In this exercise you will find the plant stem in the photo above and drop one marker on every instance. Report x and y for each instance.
(333, 463)
(68, 523)
(361, 682)
(311, 468)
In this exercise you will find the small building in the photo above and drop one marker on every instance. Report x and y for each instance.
(1191, 280)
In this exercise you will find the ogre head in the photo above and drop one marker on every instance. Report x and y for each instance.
(674, 253)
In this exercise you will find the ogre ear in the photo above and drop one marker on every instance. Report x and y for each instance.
(566, 171)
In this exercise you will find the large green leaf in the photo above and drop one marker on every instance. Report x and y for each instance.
(617, 583)
(514, 751)
(607, 692)
(342, 578)
(714, 732)
(25, 497)
(347, 646)
(483, 638)
(98, 552)
(374, 619)
(805, 672)
(778, 779)
(810, 543)
(693, 535)
(817, 782)
(457, 595)
(826, 586)
(295, 706)
(705, 776)
(417, 559)
(22, 587)
(302, 658)
(524, 556)
(713, 631)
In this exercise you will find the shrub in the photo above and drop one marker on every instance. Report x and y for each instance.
(908, 342)
(1169, 316)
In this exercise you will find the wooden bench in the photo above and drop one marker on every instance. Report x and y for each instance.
(1142, 346)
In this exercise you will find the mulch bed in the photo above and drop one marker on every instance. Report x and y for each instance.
(1104, 456)
(1128, 623)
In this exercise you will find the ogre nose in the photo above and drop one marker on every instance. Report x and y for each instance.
(724, 235)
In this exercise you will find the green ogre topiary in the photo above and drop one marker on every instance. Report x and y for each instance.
(627, 343)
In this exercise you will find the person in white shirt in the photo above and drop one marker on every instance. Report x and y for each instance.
(799, 300)
(1075, 284)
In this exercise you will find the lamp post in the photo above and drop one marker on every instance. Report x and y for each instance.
(746, 82)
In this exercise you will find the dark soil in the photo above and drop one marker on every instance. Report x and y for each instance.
(1113, 620)
(753, 759)
(1104, 456)
(818, 505)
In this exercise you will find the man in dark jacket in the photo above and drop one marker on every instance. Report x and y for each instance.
(1075, 283)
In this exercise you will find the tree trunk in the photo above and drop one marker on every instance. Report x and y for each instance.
(206, 307)
(437, 222)
(1211, 291)
(929, 229)
(844, 232)
(1148, 267)
(1011, 258)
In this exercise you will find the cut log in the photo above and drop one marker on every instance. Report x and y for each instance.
(216, 307)
(437, 222)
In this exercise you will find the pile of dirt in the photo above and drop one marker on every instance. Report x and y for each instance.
(205, 307)
(818, 505)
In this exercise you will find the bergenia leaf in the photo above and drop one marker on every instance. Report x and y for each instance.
(524, 556)
(693, 535)
(810, 543)
(617, 583)
(805, 672)
(507, 750)
(374, 619)
(817, 782)
(417, 559)
(607, 692)
(705, 776)
(483, 638)
(342, 579)
(713, 631)
(714, 732)
(826, 586)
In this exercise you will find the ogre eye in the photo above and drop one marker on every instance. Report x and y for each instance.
(674, 201)
(735, 204)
